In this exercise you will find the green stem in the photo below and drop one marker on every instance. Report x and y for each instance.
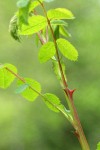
(77, 125)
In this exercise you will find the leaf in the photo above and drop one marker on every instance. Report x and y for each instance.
(56, 32)
(23, 14)
(59, 22)
(67, 49)
(13, 28)
(58, 27)
(6, 77)
(46, 52)
(60, 13)
(36, 23)
(57, 70)
(33, 5)
(22, 3)
(64, 32)
(98, 146)
(21, 88)
(30, 93)
(52, 101)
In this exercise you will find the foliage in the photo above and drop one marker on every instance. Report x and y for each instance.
(50, 29)
(6, 77)
(98, 146)
(67, 49)
(28, 22)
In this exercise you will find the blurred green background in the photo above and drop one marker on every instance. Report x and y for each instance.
(32, 126)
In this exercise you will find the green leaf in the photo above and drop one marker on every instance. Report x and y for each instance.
(33, 5)
(67, 49)
(64, 32)
(13, 28)
(30, 93)
(57, 70)
(59, 22)
(56, 32)
(6, 77)
(60, 13)
(46, 52)
(21, 88)
(22, 3)
(98, 146)
(23, 15)
(52, 101)
(36, 23)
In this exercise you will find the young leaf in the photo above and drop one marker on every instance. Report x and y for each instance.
(60, 13)
(6, 77)
(59, 22)
(29, 93)
(23, 15)
(52, 101)
(33, 5)
(22, 3)
(36, 23)
(46, 52)
(56, 32)
(98, 146)
(64, 32)
(13, 28)
(67, 49)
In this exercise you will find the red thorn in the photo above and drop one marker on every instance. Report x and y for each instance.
(71, 92)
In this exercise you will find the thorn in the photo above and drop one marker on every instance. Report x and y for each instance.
(71, 92)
